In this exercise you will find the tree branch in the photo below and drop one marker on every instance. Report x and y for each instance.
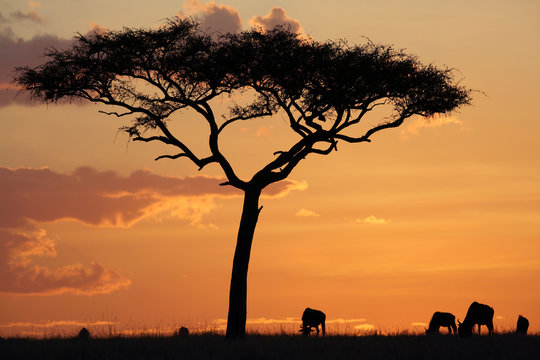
(163, 139)
(179, 155)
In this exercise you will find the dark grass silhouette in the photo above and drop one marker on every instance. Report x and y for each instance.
(209, 346)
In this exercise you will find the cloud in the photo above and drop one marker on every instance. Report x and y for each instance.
(345, 321)
(276, 16)
(365, 327)
(20, 52)
(373, 220)
(306, 213)
(264, 131)
(419, 324)
(46, 324)
(415, 125)
(213, 17)
(99, 198)
(221, 324)
(30, 15)
(108, 199)
(18, 274)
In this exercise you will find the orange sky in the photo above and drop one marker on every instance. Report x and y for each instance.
(427, 217)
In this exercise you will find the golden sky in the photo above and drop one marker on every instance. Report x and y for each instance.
(427, 217)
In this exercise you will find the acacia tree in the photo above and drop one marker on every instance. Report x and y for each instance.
(324, 89)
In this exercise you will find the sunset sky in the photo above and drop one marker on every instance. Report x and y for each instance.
(427, 217)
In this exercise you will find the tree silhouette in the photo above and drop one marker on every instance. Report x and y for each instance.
(322, 88)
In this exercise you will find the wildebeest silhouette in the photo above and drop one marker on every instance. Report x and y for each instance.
(443, 319)
(84, 334)
(478, 314)
(183, 331)
(522, 325)
(312, 319)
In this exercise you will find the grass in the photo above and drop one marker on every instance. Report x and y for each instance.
(212, 346)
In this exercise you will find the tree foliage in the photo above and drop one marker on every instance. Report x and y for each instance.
(323, 87)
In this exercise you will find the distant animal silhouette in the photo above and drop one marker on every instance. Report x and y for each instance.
(183, 331)
(84, 334)
(478, 314)
(522, 325)
(443, 319)
(312, 319)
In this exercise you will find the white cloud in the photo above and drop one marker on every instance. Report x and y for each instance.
(373, 220)
(306, 213)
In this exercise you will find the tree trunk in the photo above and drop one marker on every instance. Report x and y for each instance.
(236, 321)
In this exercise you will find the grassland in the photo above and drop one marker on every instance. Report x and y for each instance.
(507, 346)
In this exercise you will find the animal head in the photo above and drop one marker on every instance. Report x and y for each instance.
(305, 329)
(464, 329)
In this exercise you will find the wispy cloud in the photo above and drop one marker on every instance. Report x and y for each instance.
(416, 125)
(276, 16)
(365, 327)
(263, 131)
(373, 220)
(221, 324)
(31, 15)
(34, 4)
(55, 323)
(306, 213)
(345, 321)
(419, 324)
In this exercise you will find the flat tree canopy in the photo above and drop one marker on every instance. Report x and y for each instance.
(322, 88)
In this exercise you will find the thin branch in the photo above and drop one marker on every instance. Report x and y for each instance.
(243, 117)
(333, 146)
(115, 113)
(179, 155)
(153, 138)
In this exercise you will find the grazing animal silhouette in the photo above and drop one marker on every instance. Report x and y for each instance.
(312, 319)
(522, 325)
(183, 331)
(443, 319)
(478, 314)
(84, 334)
